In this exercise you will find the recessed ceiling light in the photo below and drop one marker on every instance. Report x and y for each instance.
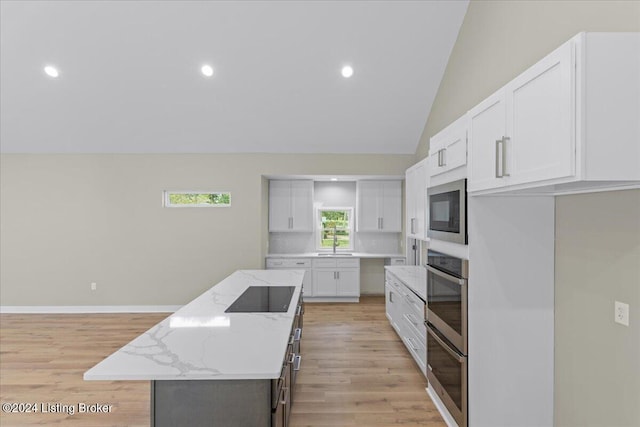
(334, 179)
(207, 70)
(347, 71)
(51, 71)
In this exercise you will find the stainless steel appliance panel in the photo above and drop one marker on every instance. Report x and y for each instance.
(447, 374)
(448, 212)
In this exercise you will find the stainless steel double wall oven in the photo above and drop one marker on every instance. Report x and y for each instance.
(446, 321)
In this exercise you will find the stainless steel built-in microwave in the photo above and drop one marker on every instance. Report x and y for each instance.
(448, 212)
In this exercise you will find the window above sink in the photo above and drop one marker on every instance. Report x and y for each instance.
(334, 230)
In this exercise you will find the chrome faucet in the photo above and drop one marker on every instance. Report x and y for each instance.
(335, 240)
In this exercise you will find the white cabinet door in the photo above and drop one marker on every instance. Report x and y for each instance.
(368, 199)
(416, 198)
(324, 283)
(379, 206)
(487, 128)
(448, 148)
(279, 205)
(391, 206)
(540, 120)
(290, 205)
(524, 133)
(348, 283)
(388, 300)
(302, 205)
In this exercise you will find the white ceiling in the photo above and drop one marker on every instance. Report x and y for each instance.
(130, 78)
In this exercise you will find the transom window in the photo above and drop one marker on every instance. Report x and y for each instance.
(335, 227)
(197, 199)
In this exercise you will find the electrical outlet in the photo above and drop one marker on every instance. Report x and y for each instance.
(621, 313)
(94, 286)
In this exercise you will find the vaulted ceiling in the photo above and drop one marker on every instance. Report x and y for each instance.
(130, 77)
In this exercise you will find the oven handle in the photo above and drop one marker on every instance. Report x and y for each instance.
(453, 353)
(449, 277)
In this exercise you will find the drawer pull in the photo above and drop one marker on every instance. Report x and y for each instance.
(296, 364)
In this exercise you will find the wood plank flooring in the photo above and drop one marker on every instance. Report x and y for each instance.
(355, 370)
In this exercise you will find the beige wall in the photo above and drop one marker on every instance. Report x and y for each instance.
(69, 220)
(597, 378)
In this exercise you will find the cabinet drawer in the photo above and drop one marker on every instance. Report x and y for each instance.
(414, 303)
(416, 326)
(288, 263)
(349, 262)
(396, 261)
(336, 262)
(324, 263)
(417, 349)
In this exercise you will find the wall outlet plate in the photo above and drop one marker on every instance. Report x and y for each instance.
(621, 313)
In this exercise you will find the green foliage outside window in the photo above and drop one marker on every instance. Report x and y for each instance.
(338, 221)
(199, 199)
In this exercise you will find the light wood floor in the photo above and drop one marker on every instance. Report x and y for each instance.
(355, 371)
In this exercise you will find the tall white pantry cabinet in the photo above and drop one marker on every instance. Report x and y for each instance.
(568, 124)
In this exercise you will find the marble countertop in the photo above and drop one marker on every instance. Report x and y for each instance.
(202, 342)
(353, 255)
(414, 276)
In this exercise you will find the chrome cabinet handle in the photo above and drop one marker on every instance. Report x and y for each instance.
(501, 164)
(412, 345)
(444, 157)
(381, 223)
(390, 296)
(297, 334)
(412, 225)
(285, 390)
(504, 155)
(293, 357)
(296, 364)
(498, 142)
(411, 319)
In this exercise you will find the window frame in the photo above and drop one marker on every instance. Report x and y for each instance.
(166, 199)
(350, 229)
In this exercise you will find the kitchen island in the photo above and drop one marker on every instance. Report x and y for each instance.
(212, 367)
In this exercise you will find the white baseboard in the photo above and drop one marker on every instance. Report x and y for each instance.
(448, 419)
(71, 309)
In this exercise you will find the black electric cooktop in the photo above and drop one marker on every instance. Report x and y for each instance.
(263, 299)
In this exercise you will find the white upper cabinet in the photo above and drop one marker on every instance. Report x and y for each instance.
(567, 124)
(540, 120)
(416, 182)
(487, 125)
(523, 133)
(290, 205)
(379, 206)
(448, 153)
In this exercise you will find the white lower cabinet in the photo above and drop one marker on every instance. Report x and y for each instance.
(405, 311)
(294, 264)
(336, 277)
